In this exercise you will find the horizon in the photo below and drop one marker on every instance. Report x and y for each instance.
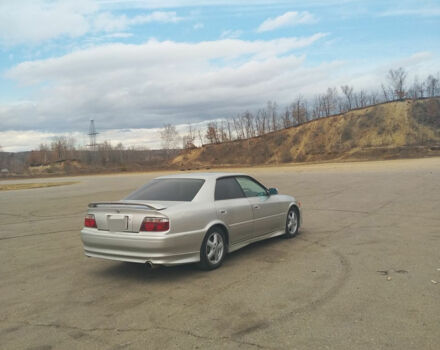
(133, 66)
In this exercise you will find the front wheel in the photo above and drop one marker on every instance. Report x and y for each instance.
(292, 223)
(213, 249)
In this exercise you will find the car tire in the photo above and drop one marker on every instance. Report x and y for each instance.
(213, 249)
(292, 223)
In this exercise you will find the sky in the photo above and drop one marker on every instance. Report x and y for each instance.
(133, 66)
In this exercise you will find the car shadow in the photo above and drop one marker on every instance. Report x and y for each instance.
(140, 272)
(260, 248)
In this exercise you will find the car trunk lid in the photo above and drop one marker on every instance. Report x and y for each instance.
(123, 216)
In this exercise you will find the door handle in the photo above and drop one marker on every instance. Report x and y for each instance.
(256, 206)
(223, 211)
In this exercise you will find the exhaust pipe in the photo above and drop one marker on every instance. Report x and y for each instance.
(150, 265)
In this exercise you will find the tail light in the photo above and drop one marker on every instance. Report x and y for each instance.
(155, 224)
(90, 221)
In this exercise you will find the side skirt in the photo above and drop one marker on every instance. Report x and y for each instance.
(239, 245)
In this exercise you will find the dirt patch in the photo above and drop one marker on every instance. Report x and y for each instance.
(27, 186)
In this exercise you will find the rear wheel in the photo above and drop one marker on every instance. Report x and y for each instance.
(292, 223)
(213, 249)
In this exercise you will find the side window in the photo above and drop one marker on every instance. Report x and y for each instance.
(251, 188)
(227, 188)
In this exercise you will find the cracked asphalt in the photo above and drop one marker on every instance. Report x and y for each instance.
(359, 275)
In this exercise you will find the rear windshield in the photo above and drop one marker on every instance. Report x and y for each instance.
(182, 190)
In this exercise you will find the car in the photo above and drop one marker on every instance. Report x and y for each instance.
(189, 218)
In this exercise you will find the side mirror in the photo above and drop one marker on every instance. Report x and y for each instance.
(272, 191)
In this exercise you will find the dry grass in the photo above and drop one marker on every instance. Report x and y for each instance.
(403, 129)
(27, 186)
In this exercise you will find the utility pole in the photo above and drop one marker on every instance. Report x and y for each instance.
(92, 136)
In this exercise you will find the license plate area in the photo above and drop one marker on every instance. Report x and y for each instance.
(117, 223)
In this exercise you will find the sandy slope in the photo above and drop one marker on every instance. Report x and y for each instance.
(392, 130)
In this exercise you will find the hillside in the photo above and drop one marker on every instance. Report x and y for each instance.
(401, 129)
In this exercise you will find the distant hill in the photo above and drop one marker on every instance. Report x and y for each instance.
(401, 129)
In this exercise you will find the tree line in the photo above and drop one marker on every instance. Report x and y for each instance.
(272, 118)
(242, 126)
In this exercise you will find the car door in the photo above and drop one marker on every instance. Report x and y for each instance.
(266, 209)
(234, 209)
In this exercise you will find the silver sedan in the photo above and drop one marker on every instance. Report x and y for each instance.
(179, 219)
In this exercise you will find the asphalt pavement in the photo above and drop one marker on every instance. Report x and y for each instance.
(361, 274)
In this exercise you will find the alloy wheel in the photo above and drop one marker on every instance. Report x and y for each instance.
(215, 248)
(292, 222)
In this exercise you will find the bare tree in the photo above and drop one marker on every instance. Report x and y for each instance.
(222, 131)
(348, 93)
(200, 135)
(260, 122)
(119, 150)
(396, 80)
(317, 107)
(329, 101)
(229, 129)
(387, 95)
(360, 99)
(212, 135)
(239, 128)
(105, 153)
(188, 140)
(373, 97)
(63, 147)
(285, 119)
(247, 121)
(170, 138)
(272, 115)
(417, 89)
(421, 88)
(44, 153)
(299, 111)
(432, 86)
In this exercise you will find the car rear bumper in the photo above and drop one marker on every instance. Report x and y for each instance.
(161, 249)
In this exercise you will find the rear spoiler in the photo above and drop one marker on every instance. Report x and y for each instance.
(149, 206)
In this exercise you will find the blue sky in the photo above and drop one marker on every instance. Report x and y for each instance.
(134, 65)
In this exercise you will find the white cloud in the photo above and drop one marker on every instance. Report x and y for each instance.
(422, 11)
(230, 33)
(108, 22)
(153, 4)
(124, 86)
(34, 21)
(19, 140)
(157, 16)
(198, 25)
(151, 57)
(140, 86)
(121, 35)
(415, 60)
(287, 19)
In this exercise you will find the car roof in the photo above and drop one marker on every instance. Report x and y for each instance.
(205, 176)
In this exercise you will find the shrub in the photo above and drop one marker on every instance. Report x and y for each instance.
(280, 139)
(346, 133)
(286, 156)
